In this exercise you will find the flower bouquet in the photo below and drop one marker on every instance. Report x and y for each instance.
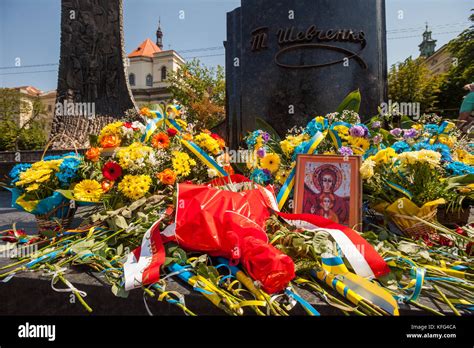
(34, 189)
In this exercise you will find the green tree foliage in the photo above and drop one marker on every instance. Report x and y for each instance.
(201, 90)
(411, 82)
(31, 134)
(461, 72)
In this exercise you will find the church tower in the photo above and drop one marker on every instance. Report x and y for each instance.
(427, 47)
(159, 36)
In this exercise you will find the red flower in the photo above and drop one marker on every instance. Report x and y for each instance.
(128, 124)
(171, 132)
(445, 241)
(111, 171)
(461, 231)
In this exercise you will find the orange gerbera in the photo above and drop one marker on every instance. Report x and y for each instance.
(160, 141)
(167, 177)
(146, 112)
(109, 141)
(93, 154)
(187, 136)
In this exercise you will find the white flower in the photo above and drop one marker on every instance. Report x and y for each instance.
(211, 172)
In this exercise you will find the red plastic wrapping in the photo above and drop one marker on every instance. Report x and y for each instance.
(231, 224)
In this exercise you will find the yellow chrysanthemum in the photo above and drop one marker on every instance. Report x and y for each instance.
(207, 142)
(182, 163)
(134, 186)
(287, 147)
(433, 158)
(464, 157)
(282, 175)
(31, 176)
(183, 124)
(88, 191)
(132, 156)
(32, 187)
(270, 162)
(367, 169)
(111, 129)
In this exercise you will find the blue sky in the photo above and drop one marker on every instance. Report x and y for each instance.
(29, 30)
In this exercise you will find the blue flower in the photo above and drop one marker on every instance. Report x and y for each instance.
(431, 128)
(441, 148)
(68, 170)
(16, 170)
(459, 168)
(252, 138)
(260, 176)
(401, 146)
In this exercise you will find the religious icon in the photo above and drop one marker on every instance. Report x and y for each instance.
(329, 186)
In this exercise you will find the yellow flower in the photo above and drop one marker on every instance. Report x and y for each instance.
(282, 175)
(287, 147)
(134, 186)
(112, 129)
(464, 157)
(182, 163)
(88, 191)
(342, 130)
(207, 142)
(131, 157)
(447, 140)
(270, 162)
(358, 144)
(181, 123)
(367, 169)
(32, 187)
(31, 176)
(417, 126)
(433, 158)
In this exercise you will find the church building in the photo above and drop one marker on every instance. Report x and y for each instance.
(148, 69)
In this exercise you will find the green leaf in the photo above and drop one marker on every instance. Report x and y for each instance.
(263, 125)
(137, 204)
(120, 222)
(351, 102)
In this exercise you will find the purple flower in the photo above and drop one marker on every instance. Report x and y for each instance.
(377, 139)
(357, 131)
(346, 151)
(267, 173)
(376, 124)
(265, 136)
(409, 133)
(396, 132)
(261, 152)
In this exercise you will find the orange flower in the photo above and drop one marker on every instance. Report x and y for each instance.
(93, 154)
(109, 141)
(107, 185)
(160, 141)
(167, 177)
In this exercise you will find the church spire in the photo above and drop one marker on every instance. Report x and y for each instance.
(159, 35)
(428, 45)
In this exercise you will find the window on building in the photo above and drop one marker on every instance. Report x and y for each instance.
(149, 80)
(163, 73)
(131, 79)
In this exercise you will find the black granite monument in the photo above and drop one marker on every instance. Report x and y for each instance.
(92, 85)
(290, 60)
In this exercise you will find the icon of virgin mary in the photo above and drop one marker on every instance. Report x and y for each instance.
(322, 199)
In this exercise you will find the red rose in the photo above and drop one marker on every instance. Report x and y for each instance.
(111, 171)
(461, 231)
(172, 132)
(127, 124)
